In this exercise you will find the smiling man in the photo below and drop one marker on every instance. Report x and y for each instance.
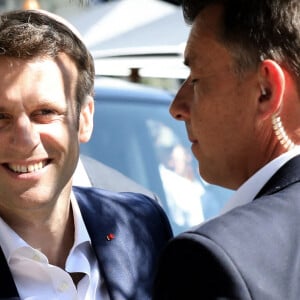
(241, 108)
(58, 242)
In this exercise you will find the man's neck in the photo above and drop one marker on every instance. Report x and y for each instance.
(50, 232)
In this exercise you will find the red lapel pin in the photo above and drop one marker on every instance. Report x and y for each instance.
(110, 236)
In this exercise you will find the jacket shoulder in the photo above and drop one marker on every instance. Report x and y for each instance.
(123, 205)
(95, 197)
(246, 246)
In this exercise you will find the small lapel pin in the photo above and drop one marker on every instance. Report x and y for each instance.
(110, 236)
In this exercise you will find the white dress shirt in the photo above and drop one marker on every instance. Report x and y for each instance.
(80, 176)
(36, 279)
(250, 188)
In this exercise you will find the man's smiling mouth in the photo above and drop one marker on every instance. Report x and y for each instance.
(26, 168)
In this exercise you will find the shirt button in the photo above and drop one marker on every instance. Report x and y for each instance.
(64, 286)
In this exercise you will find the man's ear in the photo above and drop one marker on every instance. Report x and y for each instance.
(271, 88)
(86, 120)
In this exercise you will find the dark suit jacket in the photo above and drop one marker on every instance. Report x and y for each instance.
(128, 262)
(252, 252)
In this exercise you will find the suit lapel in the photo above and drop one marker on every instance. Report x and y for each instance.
(108, 236)
(111, 242)
(8, 290)
(286, 175)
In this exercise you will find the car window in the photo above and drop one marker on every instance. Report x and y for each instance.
(142, 140)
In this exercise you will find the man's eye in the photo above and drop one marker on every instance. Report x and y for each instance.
(3, 116)
(45, 112)
(193, 81)
(44, 115)
(5, 119)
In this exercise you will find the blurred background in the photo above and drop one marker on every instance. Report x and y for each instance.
(138, 49)
(138, 40)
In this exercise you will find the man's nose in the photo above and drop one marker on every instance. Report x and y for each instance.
(179, 108)
(24, 134)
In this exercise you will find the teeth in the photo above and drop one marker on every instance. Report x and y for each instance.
(27, 168)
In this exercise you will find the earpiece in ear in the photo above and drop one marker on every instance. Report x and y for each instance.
(263, 91)
(265, 94)
(281, 134)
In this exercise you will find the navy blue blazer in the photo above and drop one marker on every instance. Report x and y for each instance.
(128, 261)
(251, 252)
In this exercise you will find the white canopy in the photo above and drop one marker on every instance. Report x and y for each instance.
(148, 35)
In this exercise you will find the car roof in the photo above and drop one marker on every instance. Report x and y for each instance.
(121, 62)
(111, 89)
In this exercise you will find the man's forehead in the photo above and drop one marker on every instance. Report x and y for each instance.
(205, 29)
(192, 50)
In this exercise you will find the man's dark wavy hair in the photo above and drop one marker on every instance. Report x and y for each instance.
(255, 30)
